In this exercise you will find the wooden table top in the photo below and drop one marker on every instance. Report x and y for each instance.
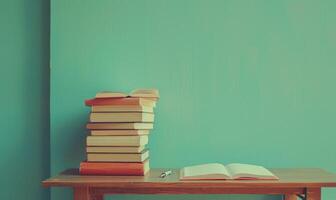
(289, 178)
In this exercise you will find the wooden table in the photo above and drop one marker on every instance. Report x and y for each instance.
(303, 183)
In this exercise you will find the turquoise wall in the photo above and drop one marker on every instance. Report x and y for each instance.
(24, 116)
(240, 81)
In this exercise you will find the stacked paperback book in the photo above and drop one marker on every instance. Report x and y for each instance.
(119, 126)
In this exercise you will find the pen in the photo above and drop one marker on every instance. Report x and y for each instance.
(166, 173)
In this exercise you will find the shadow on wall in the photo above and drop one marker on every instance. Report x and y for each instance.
(25, 89)
(36, 100)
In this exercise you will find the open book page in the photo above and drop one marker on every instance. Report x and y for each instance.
(145, 93)
(141, 93)
(108, 94)
(245, 171)
(206, 171)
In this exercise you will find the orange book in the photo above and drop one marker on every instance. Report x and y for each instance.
(120, 101)
(114, 169)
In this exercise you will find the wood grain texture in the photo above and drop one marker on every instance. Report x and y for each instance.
(289, 178)
(313, 193)
(292, 182)
(290, 197)
(97, 197)
(81, 193)
(86, 193)
(196, 190)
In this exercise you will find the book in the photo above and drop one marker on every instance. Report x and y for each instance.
(118, 132)
(108, 94)
(118, 157)
(114, 169)
(115, 149)
(122, 108)
(119, 126)
(139, 140)
(143, 93)
(214, 171)
(121, 117)
(120, 101)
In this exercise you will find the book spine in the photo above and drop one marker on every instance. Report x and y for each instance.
(115, 169)
(112, 101)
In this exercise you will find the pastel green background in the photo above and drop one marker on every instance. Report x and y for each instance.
(24, 116)
(240, 81)
(267, 67)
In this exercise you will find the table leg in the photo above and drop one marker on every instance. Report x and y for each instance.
(97, 197)
(83, 193)
(290, 197)
(313, 194)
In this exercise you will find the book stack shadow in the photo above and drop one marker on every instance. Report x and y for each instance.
(119, 126)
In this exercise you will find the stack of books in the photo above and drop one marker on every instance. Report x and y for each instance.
(119, 126)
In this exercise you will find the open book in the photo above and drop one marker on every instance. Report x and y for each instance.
(142, 93)
(216, 171)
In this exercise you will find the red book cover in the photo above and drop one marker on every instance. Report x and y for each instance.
(118, 101)
(114, 169)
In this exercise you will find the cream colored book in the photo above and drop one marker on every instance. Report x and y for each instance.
(121, 117)
(142, 93)
(214, 171)
(118, 132)
(140, 140)
(128, 101)
(108, 94)
(146, 93)
(115, 149)
(118, 157)
(123, 108)
(119, 126)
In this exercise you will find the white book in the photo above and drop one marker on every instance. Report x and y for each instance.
(106, 141)
(119, 126)
(217, 171)
(118, 132)
(114, 149)
(122, 117)
(122, 108)
(118, 157)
